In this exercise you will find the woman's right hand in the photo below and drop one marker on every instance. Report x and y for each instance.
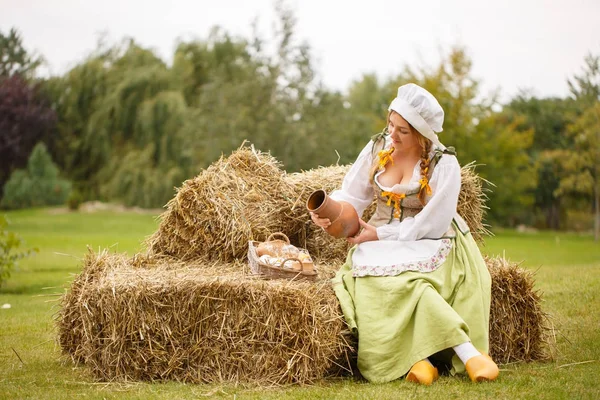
(321, 222)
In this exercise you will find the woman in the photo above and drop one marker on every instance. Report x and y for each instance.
(415, 288)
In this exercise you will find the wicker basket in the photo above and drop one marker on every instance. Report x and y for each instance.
(285, 269)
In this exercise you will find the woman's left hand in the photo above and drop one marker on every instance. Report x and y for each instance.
(367, 234)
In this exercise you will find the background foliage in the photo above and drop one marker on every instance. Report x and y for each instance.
(38, 185)
(125, 126)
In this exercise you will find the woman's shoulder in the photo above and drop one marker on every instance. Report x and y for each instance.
(445, 158)
(377, 143)
(448, 159)
(447, 164)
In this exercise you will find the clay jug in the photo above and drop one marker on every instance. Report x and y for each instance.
(343, 217)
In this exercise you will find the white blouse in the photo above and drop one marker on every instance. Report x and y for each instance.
(416, 242)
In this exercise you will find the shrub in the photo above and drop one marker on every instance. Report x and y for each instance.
(75, 199)
(9, 256)
(38, 185)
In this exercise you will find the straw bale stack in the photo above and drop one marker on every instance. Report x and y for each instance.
(519, 329)
(150, 318)
(189, 310)
(157, 318)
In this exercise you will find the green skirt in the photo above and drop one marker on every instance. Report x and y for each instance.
(402, 319)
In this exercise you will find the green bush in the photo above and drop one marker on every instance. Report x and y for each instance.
(75, 199)
(38, 185)
(9, 256)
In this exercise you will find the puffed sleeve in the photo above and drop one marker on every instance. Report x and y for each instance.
(356, 187)
(435, 218)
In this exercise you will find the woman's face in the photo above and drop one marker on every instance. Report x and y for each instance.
(403, 136)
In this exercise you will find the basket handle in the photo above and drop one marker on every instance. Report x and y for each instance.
(292, 259)
(280, 234)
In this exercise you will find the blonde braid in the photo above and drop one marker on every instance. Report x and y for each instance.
(426, 148)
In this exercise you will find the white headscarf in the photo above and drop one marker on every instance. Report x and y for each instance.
(417, 106)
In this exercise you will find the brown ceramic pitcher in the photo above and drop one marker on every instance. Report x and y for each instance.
(343, 217)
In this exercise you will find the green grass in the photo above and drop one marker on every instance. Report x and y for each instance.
(567, 272)
(544, 248)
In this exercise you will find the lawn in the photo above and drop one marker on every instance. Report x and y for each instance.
(567, 272)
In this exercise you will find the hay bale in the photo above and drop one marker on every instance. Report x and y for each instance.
(153, 318)
(305, 182)
(71, 334)
(156, 318)
(236, 199)
(471, 201)
(323, 247)
(519, 329)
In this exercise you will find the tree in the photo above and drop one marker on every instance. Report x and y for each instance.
(14, 59)
(25, 119)
(548, 118)
(368, 100)
(582, 166)
(38, 185)
(586, 87)
(25, 116)
(146, 176)
(97, 103)
(139, 181)
(502, 144)
(240, 92)
(76, 96)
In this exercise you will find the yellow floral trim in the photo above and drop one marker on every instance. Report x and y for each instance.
(397, 199)
(385, 156)
(424, 182)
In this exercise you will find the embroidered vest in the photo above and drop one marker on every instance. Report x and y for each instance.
(398, 205)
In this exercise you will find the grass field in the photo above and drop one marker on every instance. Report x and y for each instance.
(567, 272)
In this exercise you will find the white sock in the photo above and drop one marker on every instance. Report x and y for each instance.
(427, 359)
(466, 351)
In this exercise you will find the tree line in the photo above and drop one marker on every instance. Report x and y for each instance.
(123, 125)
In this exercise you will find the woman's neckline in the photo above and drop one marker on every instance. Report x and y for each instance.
(412, 183)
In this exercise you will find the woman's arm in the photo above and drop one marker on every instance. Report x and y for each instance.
(435, 218)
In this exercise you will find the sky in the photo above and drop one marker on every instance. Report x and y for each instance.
(533, 45)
